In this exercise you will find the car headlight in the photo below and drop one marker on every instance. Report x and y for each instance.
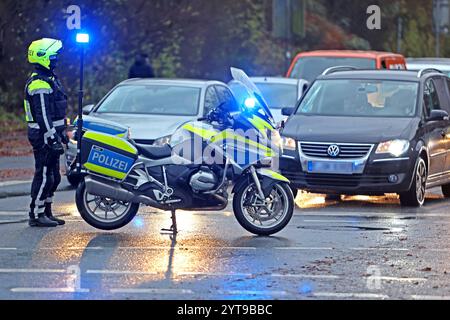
(394, 147)
(162, 141)
(289, 143)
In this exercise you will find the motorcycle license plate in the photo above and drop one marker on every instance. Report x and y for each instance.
(330, 167)
(110, 160)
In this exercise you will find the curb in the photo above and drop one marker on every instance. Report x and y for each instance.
(23, 189)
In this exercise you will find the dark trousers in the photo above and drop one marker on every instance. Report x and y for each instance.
(46, 179)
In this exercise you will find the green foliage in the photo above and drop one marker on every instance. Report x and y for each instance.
(11, 121)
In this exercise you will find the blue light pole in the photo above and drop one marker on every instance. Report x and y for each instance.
(82, 39)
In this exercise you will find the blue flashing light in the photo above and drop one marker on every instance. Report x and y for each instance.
(250, 103)
(138, 222)
(82, 38)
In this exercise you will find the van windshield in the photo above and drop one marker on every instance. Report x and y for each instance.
(309, 68)
(360, 98)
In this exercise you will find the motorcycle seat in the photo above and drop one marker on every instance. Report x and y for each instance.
(155, 152)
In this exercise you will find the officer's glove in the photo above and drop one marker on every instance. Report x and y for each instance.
(64, 138)
(56, 146)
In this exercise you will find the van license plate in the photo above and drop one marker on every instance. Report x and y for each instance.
(330, 167)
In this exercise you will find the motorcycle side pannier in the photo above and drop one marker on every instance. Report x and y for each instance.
(107, 155)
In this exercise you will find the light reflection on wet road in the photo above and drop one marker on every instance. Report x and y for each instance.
(357, 247)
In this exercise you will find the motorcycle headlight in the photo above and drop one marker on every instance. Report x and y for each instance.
(395, 148)
(162, 141)
(289, 143)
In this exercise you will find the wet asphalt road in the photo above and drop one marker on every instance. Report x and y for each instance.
(357, 248)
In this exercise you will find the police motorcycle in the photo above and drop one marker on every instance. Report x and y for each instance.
(193, 172)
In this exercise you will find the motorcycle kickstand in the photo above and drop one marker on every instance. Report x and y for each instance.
(173, 229)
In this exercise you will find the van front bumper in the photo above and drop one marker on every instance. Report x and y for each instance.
(376, 178)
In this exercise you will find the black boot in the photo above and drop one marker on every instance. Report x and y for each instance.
(32, 220)
(41, 221)
(49, 214)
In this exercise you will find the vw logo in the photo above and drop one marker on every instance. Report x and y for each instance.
(333, 151)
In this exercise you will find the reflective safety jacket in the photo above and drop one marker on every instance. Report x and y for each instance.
(45, 105)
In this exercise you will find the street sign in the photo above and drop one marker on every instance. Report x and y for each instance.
(288, 18)
(441, 16)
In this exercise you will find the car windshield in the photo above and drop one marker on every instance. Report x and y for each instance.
(360, 98)
(278, 95)
(309, 68)
(152, 99)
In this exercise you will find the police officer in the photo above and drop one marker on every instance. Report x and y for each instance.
(45, 109)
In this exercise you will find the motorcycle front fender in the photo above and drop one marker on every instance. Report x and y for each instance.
(268, 179)
(263, 172)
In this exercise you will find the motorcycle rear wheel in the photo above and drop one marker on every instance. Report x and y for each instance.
(104, 213)
(250, 215)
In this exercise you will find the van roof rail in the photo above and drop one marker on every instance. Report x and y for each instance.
(427, 70)
(337, 69)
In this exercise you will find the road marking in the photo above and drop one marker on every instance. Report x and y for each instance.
(33, 271)
(309, 276)
(252, 292)
(72, 248)
(400, 279)
(380, 249)
(185, 248)
(231, 248)
(121, 272)
(152, 291)
(420, 297)
(303, 248)
(340, 221)
(350, 295)
(148, 248)
(214, 274)
(49, 290)
(370, 215)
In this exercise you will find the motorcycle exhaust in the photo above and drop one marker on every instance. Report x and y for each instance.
(109, 189)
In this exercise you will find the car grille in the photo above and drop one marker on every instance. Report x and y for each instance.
(334, 180)
(347, 151)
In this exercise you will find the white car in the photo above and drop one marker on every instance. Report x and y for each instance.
(278, 92)
(417, 64)
(152, 109)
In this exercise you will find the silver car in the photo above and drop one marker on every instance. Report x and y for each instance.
(152, 109)
(278, 92)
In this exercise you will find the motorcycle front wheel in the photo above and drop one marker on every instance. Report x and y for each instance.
(104, 213)
(264, 217)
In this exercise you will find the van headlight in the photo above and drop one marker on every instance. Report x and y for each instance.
(289, 143)
(162, 141)
(395, 148)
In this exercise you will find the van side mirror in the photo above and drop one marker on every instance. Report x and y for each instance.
(438, 115)
(304, 85)
(88, 109)
(287, 111)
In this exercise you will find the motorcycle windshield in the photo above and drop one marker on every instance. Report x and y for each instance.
(259, 104)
